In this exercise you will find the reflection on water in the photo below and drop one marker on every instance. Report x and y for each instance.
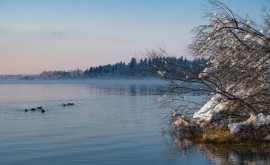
(132, 90)
(41, 91)
(225, 153)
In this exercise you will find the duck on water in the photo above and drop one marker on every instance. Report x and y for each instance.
(68, 104)
(37, 108)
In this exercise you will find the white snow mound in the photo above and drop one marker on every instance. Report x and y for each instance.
(257, 121)
(207, 112)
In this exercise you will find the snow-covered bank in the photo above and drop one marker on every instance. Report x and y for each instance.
(255, 120)
(212, 124)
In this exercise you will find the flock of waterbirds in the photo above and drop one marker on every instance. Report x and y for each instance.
(42, 110)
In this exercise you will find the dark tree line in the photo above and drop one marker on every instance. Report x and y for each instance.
(73, 74)
(141, 68)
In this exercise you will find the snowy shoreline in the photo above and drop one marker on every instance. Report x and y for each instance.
(251, 127)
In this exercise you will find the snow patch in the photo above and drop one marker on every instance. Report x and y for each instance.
(248, 37)
(205, 72)
(235, 127)
(265, 32)
(267, 138)
(257, 121)
(207, 112)
(181, 122)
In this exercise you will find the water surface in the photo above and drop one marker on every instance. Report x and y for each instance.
(112, 122)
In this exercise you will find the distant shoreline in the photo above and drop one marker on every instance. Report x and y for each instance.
(101, 81)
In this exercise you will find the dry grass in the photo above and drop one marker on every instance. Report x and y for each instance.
(221, 135)
(218, 135)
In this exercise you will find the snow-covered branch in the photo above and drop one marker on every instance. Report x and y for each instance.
(237, 72)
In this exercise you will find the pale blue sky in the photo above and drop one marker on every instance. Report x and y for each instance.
(39, 35)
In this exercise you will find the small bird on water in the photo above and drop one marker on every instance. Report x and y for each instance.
(39, 107)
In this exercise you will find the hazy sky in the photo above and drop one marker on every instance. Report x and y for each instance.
(37, 35)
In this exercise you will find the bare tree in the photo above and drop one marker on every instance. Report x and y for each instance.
(238, 70)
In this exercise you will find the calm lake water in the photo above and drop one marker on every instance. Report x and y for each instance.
(112, 122)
